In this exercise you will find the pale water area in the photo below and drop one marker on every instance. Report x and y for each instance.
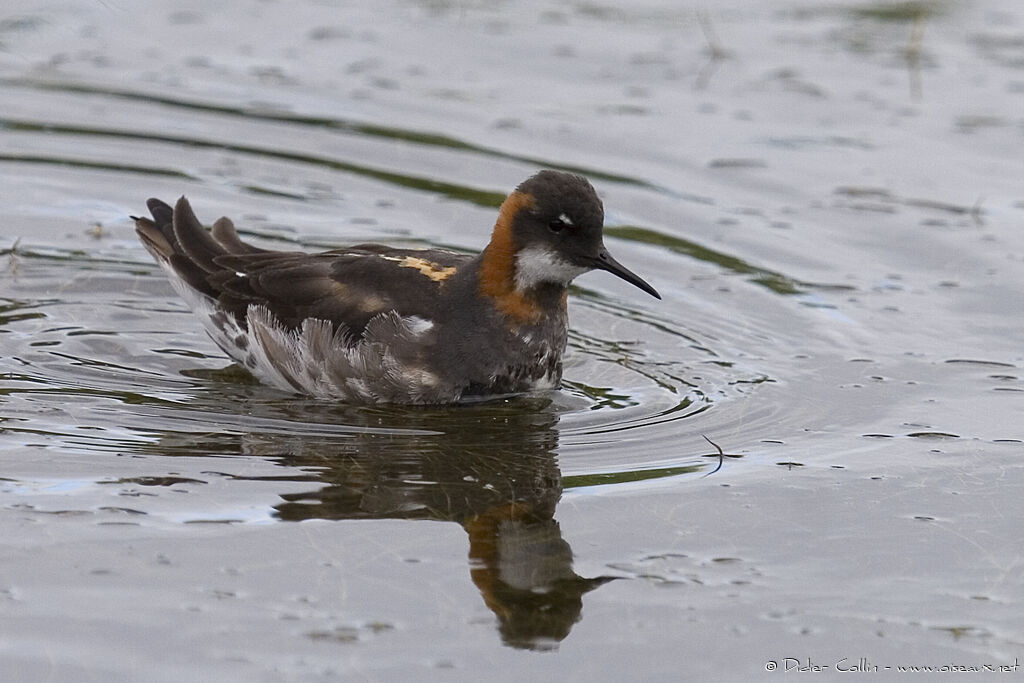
(829, 196)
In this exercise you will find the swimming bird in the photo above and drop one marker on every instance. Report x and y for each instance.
(377, 324)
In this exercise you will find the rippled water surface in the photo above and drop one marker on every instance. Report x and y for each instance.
(808, 454)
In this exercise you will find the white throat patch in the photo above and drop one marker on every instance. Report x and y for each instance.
(535, 265)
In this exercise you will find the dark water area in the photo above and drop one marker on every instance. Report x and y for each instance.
(809, 454)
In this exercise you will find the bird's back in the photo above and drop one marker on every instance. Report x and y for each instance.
(354, 323)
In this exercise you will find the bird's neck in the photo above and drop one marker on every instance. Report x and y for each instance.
(524, 302)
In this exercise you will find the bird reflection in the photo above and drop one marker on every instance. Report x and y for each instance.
(491, 468)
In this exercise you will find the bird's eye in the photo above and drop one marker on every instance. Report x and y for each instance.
(560, 223)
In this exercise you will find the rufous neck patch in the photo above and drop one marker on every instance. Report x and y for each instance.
(497, 268)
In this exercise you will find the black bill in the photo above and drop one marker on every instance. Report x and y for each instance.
(605, 261)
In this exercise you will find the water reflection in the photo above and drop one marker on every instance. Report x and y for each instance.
(491, 468)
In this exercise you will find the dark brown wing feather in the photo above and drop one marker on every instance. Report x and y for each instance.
(346, 286)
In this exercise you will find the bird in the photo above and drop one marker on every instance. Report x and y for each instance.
(373, 324)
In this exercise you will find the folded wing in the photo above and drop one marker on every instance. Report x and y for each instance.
(346, 287)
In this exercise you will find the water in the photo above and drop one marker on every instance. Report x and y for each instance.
(827, 197)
